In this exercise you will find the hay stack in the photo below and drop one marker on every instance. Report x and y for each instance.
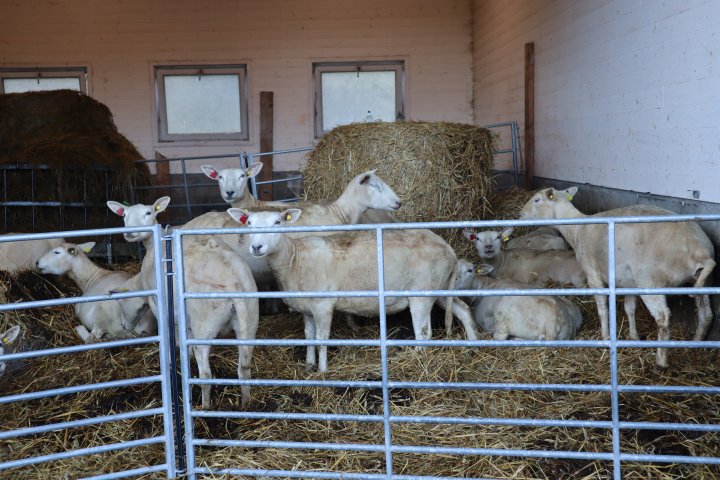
(440, 170)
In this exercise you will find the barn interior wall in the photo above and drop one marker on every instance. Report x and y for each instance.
(627, 92)
(120, 41)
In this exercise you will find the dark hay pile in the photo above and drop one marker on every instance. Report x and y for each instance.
(572, 365)
(440, 170)
(68, 145)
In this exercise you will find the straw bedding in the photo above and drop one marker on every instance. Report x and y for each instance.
(52, 327)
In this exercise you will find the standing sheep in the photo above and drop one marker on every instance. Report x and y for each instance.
(413, 259)
(647, 255)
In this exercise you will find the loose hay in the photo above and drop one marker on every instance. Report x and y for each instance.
(534, 365)
(440, 170)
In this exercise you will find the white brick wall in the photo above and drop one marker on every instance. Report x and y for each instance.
(279, 39)
(627, 91)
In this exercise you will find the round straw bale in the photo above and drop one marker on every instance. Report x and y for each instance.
(440, 170)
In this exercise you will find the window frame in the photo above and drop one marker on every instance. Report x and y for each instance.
(81, 73)
(161, 71)
(319, 68)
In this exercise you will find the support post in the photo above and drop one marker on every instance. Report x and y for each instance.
(529, 115)
(265, 191)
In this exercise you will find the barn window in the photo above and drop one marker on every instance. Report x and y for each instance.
(203, 102)
(347, 92)
(18, 80)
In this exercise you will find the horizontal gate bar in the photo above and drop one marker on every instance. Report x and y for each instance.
(79, 389)
(129, 473)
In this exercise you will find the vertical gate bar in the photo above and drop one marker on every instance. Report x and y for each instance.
(612, 318)
(5, 207)
(162, 310)
(177, 408)
(184, 354)
(187, 190)
(384, 353)
(32, 196)
(515, 142)
(108, 241)
(519, 153)
(85, 200)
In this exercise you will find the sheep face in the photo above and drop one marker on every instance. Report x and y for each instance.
(376, 193)
(139, 216)
(465, 275)
(6, 338)
(547, 203)
(60, 260)
(232, 181)
(262, 244)
(489, 242)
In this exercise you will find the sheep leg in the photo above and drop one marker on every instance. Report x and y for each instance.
(83, 333)
(202, 357)
(245, 326)
(629, 305)
(602, 307)
(657, 305)
(309, 335)
(323, 321)
(704, 316)
(420, 312)
(463, 313)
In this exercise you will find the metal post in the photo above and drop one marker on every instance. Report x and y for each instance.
(612, 319)
(187, 190)
(384, 355)
(177, 407)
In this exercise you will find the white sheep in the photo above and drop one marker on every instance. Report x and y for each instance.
(648, 255)
(414, 260)
(541, 238)
(535, 267)
(541, 317)
(112, 319)
(16, 256)
(7, 338)
(209, 267)
(233, 189)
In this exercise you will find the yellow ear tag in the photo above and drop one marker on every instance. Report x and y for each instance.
(570, 197)
(87, 249)
(288, 217)
(551, 196)
(505, 238)
(158, 208)
(6, 340)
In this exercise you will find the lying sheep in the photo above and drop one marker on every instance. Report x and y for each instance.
(542, 238)
(648, 255)
(526, 266)
(414, 260)
(113, 319)
(210, 266)
(18, 256)
(233, 189)
(538, 317)
(7, 338)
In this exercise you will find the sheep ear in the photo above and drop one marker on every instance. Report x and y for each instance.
(506, 233)
(87, 247)
(161, 204)
(210, 171)
(10, 335)
(570, 193)
(485, 269)
(290, 215)
(469, 234)
(366, 176)
(116, 208)
(254, 169)
(240, 215)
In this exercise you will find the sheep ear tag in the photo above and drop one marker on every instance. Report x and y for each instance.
(158, 208)
(5, 340)
(551, 196)
(243, 219)
(288, 217)
(569, 197)
(472, 237)
(120, 212)
(213, 174)
(87, 249)
(72, 251)
(505, 238)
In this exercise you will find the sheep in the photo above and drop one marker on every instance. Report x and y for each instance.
(209, 267)
(648, 255)
(414, 260)
(543, 238)
(16, 256)
(6, 338)
(541, 317)
(365, 191)
(233, 189)
(113, 319)
(526, 266)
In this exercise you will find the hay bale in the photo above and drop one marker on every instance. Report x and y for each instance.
(440, 170)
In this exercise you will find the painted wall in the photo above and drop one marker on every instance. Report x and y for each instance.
(121, 40)
(627, 92)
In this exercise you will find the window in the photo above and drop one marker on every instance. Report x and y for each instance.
(349, 92)
(202, 102)
(18, 80)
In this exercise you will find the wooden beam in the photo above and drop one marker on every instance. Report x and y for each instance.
(529, 115)
(265, 192)
(162, 178)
